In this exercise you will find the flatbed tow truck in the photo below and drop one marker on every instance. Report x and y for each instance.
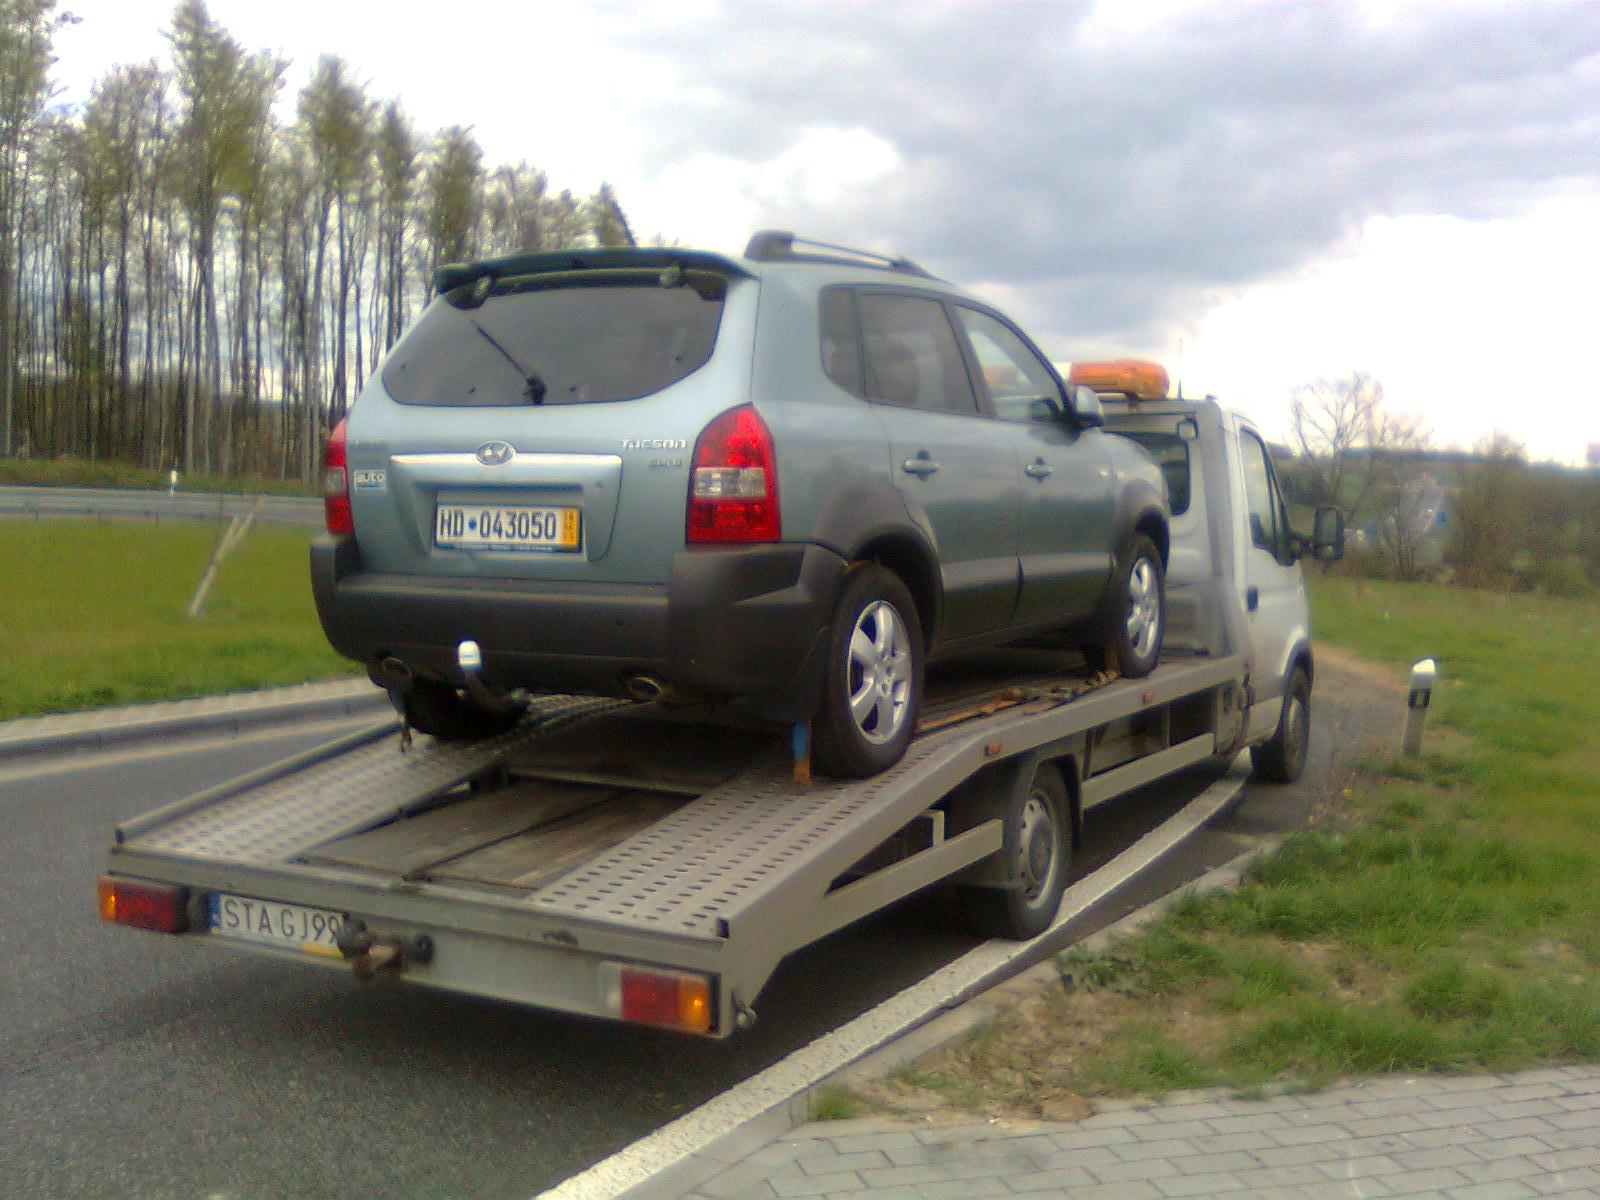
(611, 858)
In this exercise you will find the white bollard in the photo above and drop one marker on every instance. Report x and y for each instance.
(1423, 675)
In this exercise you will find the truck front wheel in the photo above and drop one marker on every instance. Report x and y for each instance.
(1282, 758)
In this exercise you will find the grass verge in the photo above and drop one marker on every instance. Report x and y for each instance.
(1444, 919)
(94, 614)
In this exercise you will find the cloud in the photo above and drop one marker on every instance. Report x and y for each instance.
(1109, 175)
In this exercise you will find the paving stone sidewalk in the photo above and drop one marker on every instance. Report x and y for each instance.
(1536, 1133)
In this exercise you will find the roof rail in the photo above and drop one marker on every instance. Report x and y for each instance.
(778, 245)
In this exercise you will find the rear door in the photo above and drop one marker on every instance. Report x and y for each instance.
(1065, 511)
(955, 466)
(541, 429)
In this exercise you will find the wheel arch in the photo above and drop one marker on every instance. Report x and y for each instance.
(912, 561)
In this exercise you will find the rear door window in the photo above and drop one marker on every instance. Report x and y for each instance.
(558, 342)
(912, 356)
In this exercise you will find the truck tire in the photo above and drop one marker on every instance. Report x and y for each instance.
(1036, 848)
(872, 676)
(438, 709)
(1282, 758)
(1133, 618)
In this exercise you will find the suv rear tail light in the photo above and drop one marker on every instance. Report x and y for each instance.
(733, 486)
(163, 907)
(336, 484)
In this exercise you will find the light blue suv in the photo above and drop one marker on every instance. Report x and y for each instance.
(783, 480)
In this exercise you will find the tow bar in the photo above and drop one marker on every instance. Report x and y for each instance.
(370, 954)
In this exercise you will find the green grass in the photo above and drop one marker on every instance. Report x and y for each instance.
(835, 1104)
(94, 614)
(1447, 919)
(77, 472)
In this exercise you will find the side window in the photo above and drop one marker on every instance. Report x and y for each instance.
(1258, 493)
(1171, 453)
(1019, 383)
(912, 356)
(841, 340)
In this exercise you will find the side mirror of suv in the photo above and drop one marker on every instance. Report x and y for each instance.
(1327, 539)
(1086, 406)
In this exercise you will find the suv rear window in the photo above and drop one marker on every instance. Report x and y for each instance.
(558, 341)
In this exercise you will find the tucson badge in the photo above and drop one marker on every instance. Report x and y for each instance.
(495, 454)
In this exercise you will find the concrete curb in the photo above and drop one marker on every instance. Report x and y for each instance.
(100, 729)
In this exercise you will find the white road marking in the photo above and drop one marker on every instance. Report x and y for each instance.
(76, 761)
(697, 1130)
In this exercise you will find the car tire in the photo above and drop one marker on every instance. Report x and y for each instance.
(439, 709)
(1036, 844)
(1282, 758)
(1134, 615)
(871, 676)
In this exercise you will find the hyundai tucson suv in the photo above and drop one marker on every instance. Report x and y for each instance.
(784, 480)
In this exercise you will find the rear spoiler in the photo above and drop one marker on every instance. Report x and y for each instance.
(448, 277)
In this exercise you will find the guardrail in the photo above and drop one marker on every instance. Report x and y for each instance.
(123, 504)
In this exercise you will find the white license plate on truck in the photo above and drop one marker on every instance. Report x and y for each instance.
(270, 923)
(497, 527)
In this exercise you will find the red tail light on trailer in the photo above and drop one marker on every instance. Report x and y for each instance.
(733, 486)
(162, 907)
(678, 1000)
(336, 484)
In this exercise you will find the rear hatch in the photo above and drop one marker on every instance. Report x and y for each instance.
(538, 424)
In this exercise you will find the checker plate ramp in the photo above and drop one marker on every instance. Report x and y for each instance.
(280, 820)
(687, 870)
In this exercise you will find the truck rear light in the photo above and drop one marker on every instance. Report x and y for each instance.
(648, 996)
(163, 907)
(733, 486)
(336, 484)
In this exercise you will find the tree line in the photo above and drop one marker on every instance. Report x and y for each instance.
(190, 279)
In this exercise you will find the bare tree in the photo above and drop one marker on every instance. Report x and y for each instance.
(1350, 442)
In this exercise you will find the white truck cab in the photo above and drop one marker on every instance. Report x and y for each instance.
(1233, 576)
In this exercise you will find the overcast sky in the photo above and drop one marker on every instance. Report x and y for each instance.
(1258, 194)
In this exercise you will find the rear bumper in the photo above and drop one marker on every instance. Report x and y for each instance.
(733, 622)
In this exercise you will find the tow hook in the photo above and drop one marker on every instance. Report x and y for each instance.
(369, 953)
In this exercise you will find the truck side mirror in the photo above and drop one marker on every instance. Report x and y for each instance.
(1327, 539)
(1086, 406)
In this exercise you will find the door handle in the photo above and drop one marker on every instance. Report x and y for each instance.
(921, 465)
(1252, 598)
(1038, 469)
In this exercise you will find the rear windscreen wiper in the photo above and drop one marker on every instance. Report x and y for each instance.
(536, 387)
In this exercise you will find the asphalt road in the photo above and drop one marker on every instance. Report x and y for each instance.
(137, 1065)
(128, 504)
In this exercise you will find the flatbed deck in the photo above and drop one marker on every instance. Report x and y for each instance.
(601, 831)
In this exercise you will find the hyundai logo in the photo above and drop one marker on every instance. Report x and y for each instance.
(495, 454)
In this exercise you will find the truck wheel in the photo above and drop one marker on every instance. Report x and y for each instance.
(1036, 846)
(440, 710)
(872, 676)
(1283, 756)
(1134, 615)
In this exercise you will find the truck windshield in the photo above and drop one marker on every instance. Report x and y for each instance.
(577, 343)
